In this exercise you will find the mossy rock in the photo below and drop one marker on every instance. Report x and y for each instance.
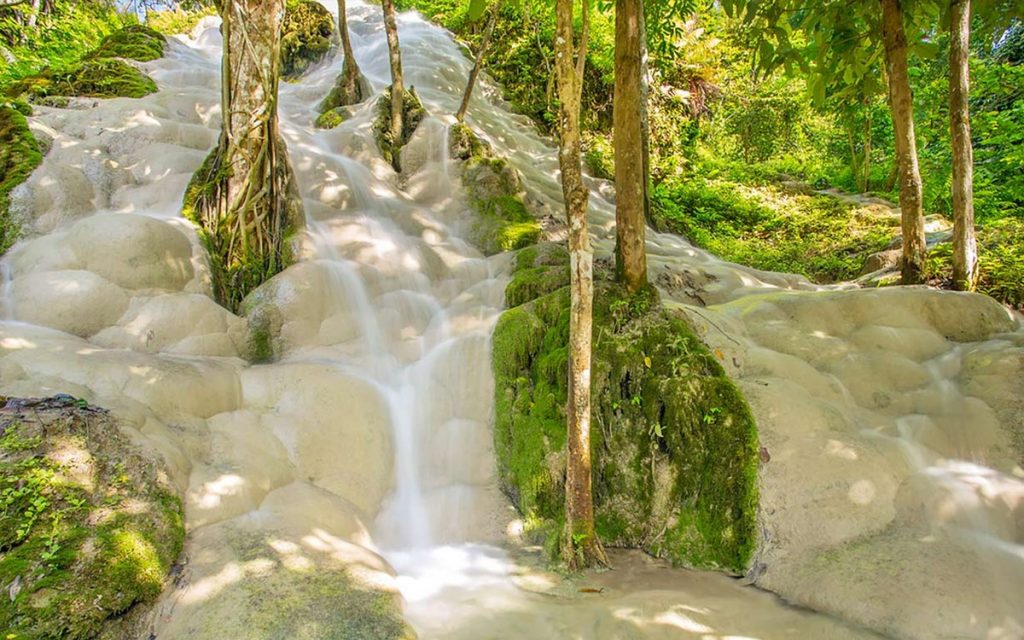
(135, 42)
(674, 445)
(412, 114)
(331, 118)
(19, 156)
(307, 37)
(96, 78)
(495, 193)
(340, 96)
(91, 525)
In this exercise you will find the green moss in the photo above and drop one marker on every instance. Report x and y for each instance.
(90, 527)
(307, 36)
(674, 444)
(136, 42)
(19, 156)
(330, 118)
(495, 193)
(412, 114)
(97, 78)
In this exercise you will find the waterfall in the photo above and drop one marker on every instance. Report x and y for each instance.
(881, 427)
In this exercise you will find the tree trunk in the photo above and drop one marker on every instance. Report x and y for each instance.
(965, 245)
(580, 545)
(34, 15)
(477, 64)
(901, 104)
(866, 167)
(243, 197)
(630, 180)
(395, 58)
(352, 82)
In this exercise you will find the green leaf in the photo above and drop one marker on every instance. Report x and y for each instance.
(476, 9)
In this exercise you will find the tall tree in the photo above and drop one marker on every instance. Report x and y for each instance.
(580, 545)
(478, 63)
(628, 141)
(965, 245)
(395, 58)
(900, 98)
(243, 197)
(351, 84)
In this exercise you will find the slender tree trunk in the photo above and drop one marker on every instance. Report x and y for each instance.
(478, 64)
(397, 88)
(901, 102)
(33, 17)
(352, 79)
(581, 546)
(645, 122)
(243, 197)
(630, 180)
(866, 168)
(965, 245)
(581, 50)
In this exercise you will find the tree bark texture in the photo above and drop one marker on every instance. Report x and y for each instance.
(245, 199)
(352, 82)
(965, 244)
(395, 58)
(581, 546)
(901, 104)
(478, 63)
(630, 179)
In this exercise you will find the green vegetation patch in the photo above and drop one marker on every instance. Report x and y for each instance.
(135, 42)
(495, 192)
(1000, 261)
(330, 118)
(95, 77)
(19, 156)
(765, 227)
(177, 20)
(412, 114)
(90, 527)
(674, 445)
(307, 37)
(100, 73)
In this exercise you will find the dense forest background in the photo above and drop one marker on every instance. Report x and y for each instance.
(755, 149)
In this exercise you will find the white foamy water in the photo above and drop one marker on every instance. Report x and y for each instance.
(893, 498)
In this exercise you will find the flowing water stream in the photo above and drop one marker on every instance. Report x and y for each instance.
(370, 437)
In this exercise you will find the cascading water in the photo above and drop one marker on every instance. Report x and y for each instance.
(371, 433)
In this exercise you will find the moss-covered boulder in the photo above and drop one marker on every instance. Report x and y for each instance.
(307, 37)
(335, 108)
(92, 77)
(101, 73)
(19, 156)
(495, 192)
(331, 118)
(412, 114)
(674, 445)
(135, 42)
(91, 526)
